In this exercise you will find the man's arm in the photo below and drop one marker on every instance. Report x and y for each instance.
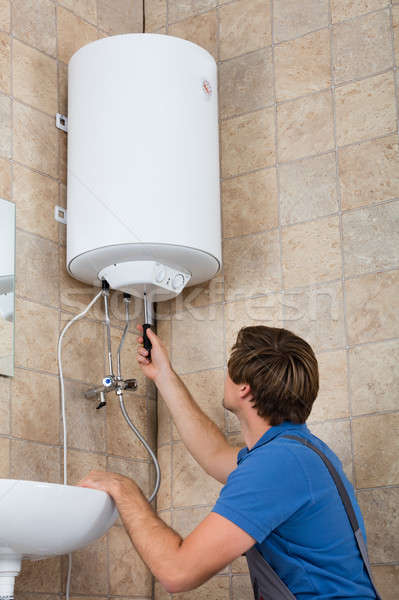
(200, 434)
(180, 565)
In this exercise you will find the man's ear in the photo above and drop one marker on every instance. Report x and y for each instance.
(245, 391)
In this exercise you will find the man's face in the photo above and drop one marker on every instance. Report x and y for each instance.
(231, 394)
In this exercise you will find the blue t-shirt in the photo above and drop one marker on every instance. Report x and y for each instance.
(282, 494)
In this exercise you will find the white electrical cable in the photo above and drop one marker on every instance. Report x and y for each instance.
(64, 426)
(64, 421)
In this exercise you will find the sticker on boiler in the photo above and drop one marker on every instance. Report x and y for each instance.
(206, 88)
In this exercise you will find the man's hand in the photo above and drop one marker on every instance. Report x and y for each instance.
(112, 483)
(160, 363)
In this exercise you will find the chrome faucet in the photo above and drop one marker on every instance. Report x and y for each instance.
(113, 382)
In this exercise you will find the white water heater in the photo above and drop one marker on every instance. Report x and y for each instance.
(143, 193)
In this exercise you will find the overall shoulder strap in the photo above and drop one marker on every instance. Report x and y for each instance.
(346, 502)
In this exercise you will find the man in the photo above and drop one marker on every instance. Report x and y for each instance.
(278, 493)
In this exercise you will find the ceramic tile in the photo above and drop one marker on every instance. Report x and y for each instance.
(293, 19)
(5, 387)
(35, 139)
(365, 109)
(245, 26)
(305, 126)
(39, 576)
(34, 22)
(371, 239)
(206, 387)
(120, 439)
(246, 196)
(87, 9)
(372, 307)
(182, 9)
(81, 463)
(35, 196)
(239, 75)
(138, 471)
(89, 569)
(200, 29)
(302, 65)
(342, 9)
(379, 509)
(375, 450)
(187, 519)
(316, 314)
(35, 462)
(5, 179)
(196, 328)
(369, 172)
(374, 377)
(311, 252)
(5, 11)
(164, 423)
(332, 400)
(4, 457)
(125, 17)
(247, 142)
(242, 587)
(37, 269)
(5, 127)
(126, 567)
(83, 350)
(217, 587)
(362, 46)
(73, 33)
(386, 579)
(252, 265)
(34, 78)
(35, 407)
(164, 498)
(86, 425)
(155, 14)
(307, 189)
(191, 485)
(337, 435)
(5, 62)
(203, 294)
(264, 310)
(36, 336)
(395, 25)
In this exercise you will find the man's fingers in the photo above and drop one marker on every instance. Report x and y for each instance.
(142, 360)
(142, 351)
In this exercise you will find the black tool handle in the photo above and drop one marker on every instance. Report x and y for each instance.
(146, 340)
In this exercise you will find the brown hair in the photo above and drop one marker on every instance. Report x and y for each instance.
(281, 370)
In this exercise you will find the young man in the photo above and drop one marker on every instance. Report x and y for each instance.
(279, 505)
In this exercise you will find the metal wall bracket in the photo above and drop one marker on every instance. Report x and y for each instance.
(60, 214)
(61, 121)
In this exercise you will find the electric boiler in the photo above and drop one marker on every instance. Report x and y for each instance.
(143, 191)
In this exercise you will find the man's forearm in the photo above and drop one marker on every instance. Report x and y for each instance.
(199, 433)
(157, 544)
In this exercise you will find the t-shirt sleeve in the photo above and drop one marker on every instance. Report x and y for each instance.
(264, 491)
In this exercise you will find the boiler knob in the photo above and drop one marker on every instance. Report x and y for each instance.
(178, 281)
(160, 275)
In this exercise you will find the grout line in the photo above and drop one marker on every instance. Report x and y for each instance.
(308, 95)
(339, 200)
(395, 82)
(12, 191)
(276, 148)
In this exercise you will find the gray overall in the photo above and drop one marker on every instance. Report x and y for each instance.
(266, 584)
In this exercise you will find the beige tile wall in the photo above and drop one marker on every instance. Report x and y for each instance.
(37, 39)
(309, 162)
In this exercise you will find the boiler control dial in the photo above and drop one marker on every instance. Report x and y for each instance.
(178, 281)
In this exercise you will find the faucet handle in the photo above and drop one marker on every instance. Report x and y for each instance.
(131, 384)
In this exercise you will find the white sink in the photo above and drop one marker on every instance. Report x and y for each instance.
(44, 519)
